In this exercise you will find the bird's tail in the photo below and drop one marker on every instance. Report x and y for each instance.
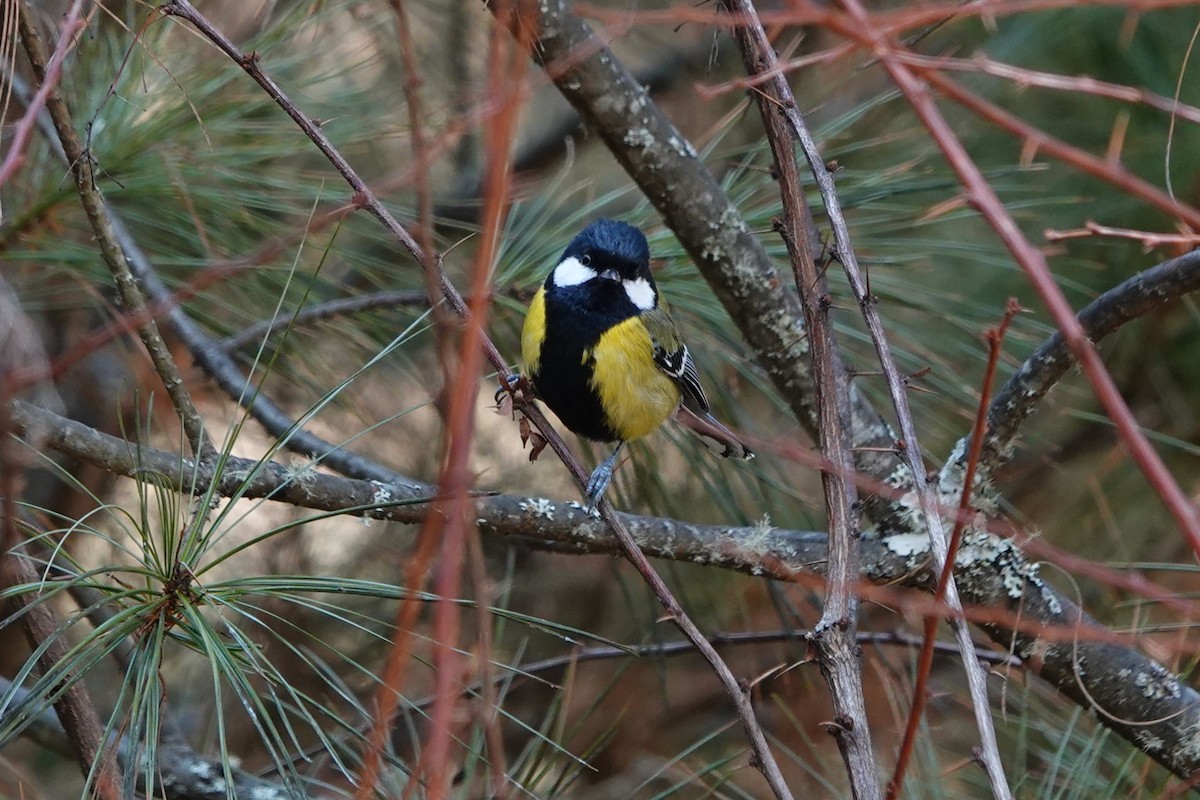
(716, 437)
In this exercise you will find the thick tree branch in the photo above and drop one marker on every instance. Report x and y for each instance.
(1132, 694)
(1145, 292)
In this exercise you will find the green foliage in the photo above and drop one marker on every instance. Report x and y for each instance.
(263, 635)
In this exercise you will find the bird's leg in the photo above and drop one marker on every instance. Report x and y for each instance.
(601, 477)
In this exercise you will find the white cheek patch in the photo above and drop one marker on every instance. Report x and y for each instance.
(572, 272)
(641, 293)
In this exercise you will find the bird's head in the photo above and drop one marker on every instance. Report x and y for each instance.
(605, 256)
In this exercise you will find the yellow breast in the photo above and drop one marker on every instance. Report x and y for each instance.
(534, 332)
(636, 395)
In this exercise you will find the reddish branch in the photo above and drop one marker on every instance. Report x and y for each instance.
(1148, 239)
(995, 339)
(1079, 84)
(448, 528)
(450, 481)
(24, 127)
(1037, 140)
(913, 82)
(505, 70)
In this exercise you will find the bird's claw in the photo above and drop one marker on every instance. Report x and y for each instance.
(601, 477)
(598, 484)
(512, 383)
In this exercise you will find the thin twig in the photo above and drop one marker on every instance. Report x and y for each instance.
(506, 70)
(536, 671)
(339, 307)
(24, 127)
(80, 162)
(765, 59)
(1038, 140)
(834, 636)
(737, 691)
(914, 83)
(1148, 239)
(894, 21)
(507, 90)
(1078, 84)
(995, 339)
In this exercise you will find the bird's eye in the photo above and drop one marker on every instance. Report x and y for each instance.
(586, 260)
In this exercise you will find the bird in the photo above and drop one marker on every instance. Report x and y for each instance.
(601, 350)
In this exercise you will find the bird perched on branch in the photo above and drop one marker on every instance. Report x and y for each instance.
(601, 350)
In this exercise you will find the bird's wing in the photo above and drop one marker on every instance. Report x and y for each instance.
(672, 356)
(679, 365)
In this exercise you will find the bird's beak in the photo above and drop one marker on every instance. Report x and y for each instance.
(611, 275)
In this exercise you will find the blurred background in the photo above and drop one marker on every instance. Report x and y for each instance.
(224, 193)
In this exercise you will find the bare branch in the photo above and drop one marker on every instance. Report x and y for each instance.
(74, 707)
(1145, 292)
(784, 125)
(834, 637)
(1134, 695)
(183, 773)
(80, 162)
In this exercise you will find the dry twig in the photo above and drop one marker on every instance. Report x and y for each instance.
(834, 637)
(784, 125)
(80, 163)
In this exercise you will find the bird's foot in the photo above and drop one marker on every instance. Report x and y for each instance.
(598, 484)
(601, 477)
(512, 383)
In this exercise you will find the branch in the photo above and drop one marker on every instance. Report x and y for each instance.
(53, 71)
(785, 125)
(834, 637)
(1145, 292)
(339, 307)
(1078, 84)
(73, 705)
(183, 774)
(80, 162)
(1134, 695)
